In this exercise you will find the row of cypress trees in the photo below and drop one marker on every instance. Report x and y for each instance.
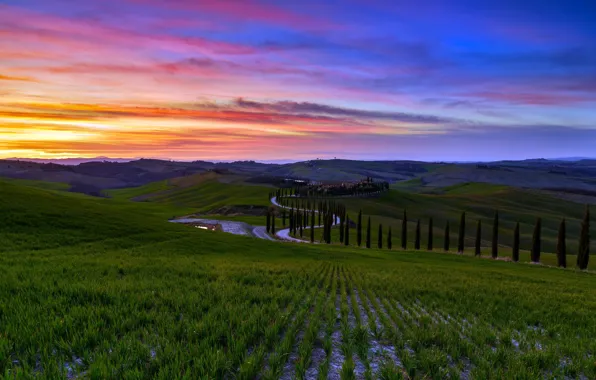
(328, 210)
(582, 257)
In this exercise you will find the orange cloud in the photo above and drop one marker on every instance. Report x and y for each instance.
(23, 79)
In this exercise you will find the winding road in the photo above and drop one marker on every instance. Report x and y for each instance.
(241, 228)
(284, 234)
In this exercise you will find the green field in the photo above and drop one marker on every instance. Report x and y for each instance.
(106, 288)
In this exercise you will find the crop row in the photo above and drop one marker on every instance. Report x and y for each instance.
(324, 321)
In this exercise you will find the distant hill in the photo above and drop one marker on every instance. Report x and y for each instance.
(71, 161)
(554, 175)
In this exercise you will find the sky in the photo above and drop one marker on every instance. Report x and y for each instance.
(287, 80)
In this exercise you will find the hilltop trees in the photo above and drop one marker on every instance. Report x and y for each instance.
(417, 240)
(359, 229)
(430, 234)
(562, 245)
(446, 240)
(536, 240)
(515, 251)
(462, 233)
(380, 237)
(583, 255)
(368, 234)
(478, 238)
(404, 231)
(389, 243)
(362, 187)
(495, 242)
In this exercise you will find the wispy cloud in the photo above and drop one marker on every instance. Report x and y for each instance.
(290, 107)
(12, 78)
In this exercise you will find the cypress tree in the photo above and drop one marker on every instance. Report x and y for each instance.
(347, 233)
(447, 238)
(462, 233)
(325, 226)
(329, 224)
(359, 229)
(515, 253)
(536, 240)
(583, 255)
(495, 242)
(291, 220)
(430, 234)
(404, 231)
(478, 238)
(273, 223)
(562, 245)
(312, 226)
(417, 242)
(380, 237)
(389, 243)
(341, 230)
(268, 221)
(368, 234)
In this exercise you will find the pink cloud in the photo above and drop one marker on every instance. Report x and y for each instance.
(246, 10)
(25, 25)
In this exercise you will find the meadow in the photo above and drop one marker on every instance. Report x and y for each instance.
(106, 288)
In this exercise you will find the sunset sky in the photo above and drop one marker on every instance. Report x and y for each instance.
(293, 80)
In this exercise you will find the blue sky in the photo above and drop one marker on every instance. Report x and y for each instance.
(267, 80)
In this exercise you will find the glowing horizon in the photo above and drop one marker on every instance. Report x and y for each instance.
(264, 80)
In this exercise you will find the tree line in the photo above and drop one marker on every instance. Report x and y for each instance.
(360, 188)
(308, 213)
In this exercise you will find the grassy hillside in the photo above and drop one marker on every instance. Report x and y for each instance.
(103, 288)
(133, 192)
(203, 192)
(37, 184)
